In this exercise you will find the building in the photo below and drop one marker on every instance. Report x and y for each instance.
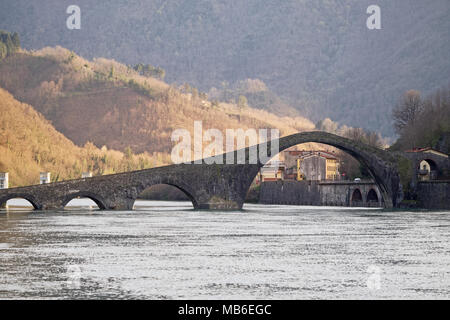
(332, 168)
(427, 150)
(311, 165)
(317, 166)
(86, 175)
(272, 171)
(429, 161)
(290, 159)
(44, 177)
(4, 180)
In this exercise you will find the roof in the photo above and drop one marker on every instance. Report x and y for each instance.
(426, 150)
(305, 153)
(274, 164)
(319, 154)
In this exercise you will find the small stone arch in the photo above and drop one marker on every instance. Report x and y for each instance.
(356, 196)
(30, 198)
(432, 164)
(99, 201)
(428, 169)
(372, 196)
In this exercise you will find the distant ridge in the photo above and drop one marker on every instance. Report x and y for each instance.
(316, 56)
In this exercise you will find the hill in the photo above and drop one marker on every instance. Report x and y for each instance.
(30, 144)
(111, 105)
(317, 56)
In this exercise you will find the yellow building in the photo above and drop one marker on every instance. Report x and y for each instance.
(332, 172)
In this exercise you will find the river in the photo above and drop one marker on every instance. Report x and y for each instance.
(166, 250)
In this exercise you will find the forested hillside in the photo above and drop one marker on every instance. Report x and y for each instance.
(315, 56)
(30, 144)
(112, 105)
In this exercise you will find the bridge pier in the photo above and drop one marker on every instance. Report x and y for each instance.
(216, 203)
(221, 186)
(120, 204)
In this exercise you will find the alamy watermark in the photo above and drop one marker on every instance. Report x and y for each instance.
(374, 280)
(73, 273)
(73, 22)
(374, 20)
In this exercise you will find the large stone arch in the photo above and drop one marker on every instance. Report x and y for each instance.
(381, 164)
(30, 198)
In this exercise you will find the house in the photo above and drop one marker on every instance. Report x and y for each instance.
(86, 175)
(272, 171)
(311, 165)
(427, 150)
(4, 180)
(44, 177)
(428, 162)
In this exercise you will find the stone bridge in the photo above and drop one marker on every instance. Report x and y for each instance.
(208, 186)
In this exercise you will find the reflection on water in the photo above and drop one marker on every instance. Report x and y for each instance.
(167, 250)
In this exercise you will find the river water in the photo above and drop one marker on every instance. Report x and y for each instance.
(166, 250)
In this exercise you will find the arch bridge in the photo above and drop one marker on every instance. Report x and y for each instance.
(208, 186)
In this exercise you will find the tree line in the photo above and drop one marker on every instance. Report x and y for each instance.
(423, 122)
(150, 71)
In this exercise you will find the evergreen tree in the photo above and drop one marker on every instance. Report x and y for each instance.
(16, 40)
(111, 72)
(8, 43)
(242, 102)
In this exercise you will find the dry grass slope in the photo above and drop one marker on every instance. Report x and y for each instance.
(30, 144)
(109, 104)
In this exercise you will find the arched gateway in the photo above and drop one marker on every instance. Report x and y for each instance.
(208, 186)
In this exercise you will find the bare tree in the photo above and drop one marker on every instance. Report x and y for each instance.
(407, 111)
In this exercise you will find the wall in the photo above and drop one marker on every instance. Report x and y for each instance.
(333, 193)
(434, 194)
(313, 167)
(290, 192)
